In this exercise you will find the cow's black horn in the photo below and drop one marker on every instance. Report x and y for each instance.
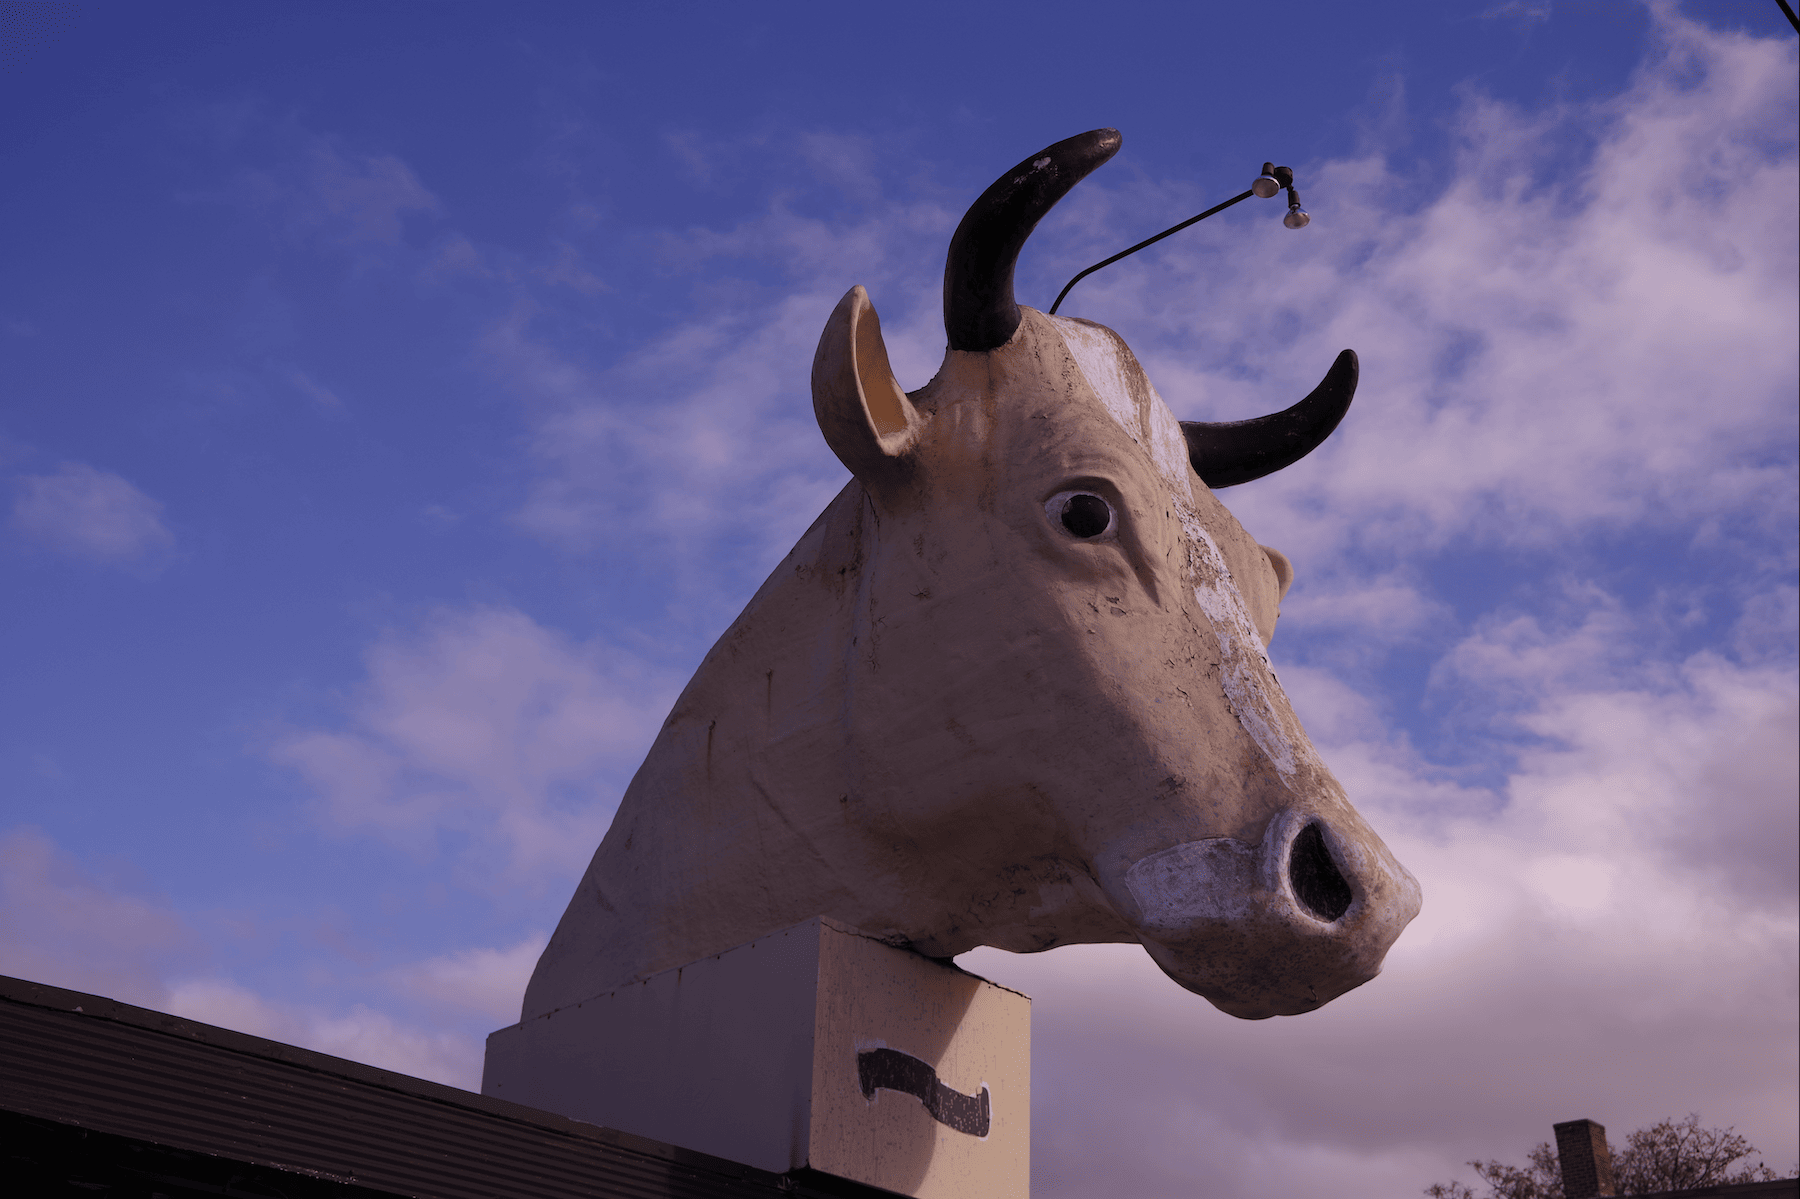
(1232, 452)
(979, 310)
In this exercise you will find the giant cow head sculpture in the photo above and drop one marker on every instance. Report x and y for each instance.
(1011, 688)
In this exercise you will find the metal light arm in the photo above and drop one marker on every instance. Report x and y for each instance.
(1273, 179)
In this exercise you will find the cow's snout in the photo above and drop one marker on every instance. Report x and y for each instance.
(1277, 927)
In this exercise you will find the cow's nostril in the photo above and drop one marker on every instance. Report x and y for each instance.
(1318, 884)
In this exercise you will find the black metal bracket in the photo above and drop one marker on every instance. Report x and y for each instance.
(1282, 175)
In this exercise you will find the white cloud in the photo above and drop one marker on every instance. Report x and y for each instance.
(66, 926)
(1701, 775)
(89, 513)
(488, 981)
(358, 197)
(700, 450)
(1526, 12)
(59, 924)
(312, 389)
(1558, 343)
(1512, 654)
(1382, 609)
(1769, 629)
(846, 161)
(568, 270)
(361, 1034)
(456, 256)
(488, 724)
(320, 189)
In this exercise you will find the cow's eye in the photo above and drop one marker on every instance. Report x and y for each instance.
(1082, 513)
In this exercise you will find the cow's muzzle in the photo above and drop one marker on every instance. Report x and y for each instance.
(1278, 927)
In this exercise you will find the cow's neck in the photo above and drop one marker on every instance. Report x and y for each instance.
(735, 824)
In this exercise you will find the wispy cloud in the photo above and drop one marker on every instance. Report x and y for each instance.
(696, 458)
(64, 925)
(1526, 12)
(70, 926)
(360, 1033)
(485, 723)
(312, 389)
(364, 196)
(89, 513)
(700, 441)
(1551, 347)
(321, 189)
(483, 980)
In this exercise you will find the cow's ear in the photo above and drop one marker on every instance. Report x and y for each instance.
(867, 420)
(1284, 571)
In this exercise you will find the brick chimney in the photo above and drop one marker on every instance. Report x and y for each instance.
(1587, 1168)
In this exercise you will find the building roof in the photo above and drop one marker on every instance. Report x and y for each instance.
(99, 1097)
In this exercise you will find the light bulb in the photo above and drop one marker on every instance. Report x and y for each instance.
(1296, 218)
(1265, 186)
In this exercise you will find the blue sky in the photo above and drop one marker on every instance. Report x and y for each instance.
(395, 402)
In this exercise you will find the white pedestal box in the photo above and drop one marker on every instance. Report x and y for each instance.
(815, 1046)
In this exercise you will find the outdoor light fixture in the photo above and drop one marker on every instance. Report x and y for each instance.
(1296, 217)
(1272, 180)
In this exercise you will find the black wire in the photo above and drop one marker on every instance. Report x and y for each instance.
(1792, 19)
(1149, 241)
